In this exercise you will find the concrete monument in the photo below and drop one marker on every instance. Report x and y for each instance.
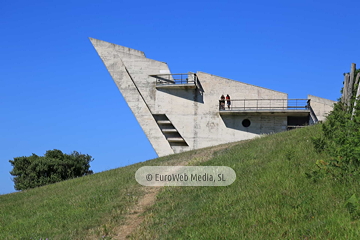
(182, 112)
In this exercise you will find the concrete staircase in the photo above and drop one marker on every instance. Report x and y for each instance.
(170, 132)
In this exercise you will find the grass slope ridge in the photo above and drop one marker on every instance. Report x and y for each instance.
(90, 207)
(270, 199)
(84, 207)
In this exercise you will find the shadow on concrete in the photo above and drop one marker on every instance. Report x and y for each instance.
(313, 119)
(196, 95)
(235, 122)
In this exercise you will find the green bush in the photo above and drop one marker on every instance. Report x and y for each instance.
(54, 166)
(341, 140)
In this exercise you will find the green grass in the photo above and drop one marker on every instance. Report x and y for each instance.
(270, 199)
(81, 208)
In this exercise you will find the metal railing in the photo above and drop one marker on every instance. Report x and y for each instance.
(264, 104)
(178, 78)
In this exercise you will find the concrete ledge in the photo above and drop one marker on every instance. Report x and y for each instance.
(321, 100)
(176, 86)
(279, 112)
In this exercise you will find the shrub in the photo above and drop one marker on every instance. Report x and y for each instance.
(341, 139)
(54, 166)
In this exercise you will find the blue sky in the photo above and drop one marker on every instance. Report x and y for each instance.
(55, 92)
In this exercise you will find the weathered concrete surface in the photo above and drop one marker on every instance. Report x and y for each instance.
(193, 113)
(129, 69)
(321, 106)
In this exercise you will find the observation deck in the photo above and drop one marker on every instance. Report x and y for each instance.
(283, 107)
(176, 81)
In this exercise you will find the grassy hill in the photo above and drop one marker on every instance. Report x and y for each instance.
(270, 199)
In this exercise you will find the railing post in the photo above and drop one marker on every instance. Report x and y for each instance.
(287, 103)
(283, 104)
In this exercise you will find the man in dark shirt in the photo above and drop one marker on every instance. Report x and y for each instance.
(228, 101)
(222, 102)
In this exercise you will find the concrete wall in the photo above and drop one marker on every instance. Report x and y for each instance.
(321, 106)
(193, 112)
(129, 69)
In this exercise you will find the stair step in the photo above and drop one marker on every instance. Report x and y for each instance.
(175, 139)
(169, 130)
(163, 122)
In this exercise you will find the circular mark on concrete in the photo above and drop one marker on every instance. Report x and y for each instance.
(246, 122)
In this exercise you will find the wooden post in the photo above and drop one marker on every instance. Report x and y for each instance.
(345, 88)
(356, 97)
(351, 84)
(357, 94)
(357, 79)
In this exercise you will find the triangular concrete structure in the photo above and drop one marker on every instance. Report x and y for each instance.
(182, 112)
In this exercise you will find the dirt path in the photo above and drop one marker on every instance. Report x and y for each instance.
(135, 218)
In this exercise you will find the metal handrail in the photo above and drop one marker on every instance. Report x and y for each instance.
(177, 78)
(265, 104)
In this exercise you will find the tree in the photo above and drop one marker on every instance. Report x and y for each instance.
(54, 166)
(341, 133)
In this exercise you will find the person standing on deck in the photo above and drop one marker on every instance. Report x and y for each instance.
(222, 102)
(228, 101)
